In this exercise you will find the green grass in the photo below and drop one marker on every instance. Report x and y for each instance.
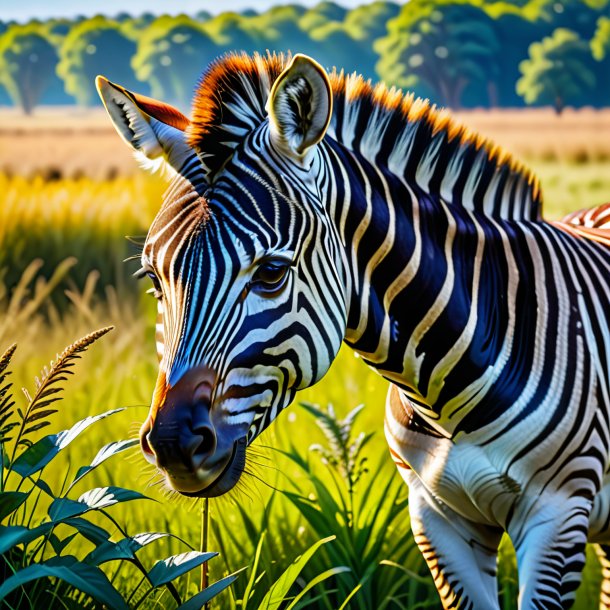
(88, 221)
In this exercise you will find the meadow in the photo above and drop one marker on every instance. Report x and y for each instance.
(64, 215)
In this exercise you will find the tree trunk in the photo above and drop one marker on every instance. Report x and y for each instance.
(492, 94)
(558, 105)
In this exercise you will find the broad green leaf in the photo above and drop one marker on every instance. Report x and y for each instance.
(107, 451)
(94, 499)
(203, 597)
(123, 549)
(278, 591)
(12, 535)
(59, 545)
(10, 501)
(94, 533)
(166, 570)
(316, 581)
(37, 456)
(86, 578)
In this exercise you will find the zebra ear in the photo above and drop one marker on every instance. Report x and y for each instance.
(153, 129)
(299, 107)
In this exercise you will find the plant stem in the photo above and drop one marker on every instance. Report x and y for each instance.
(205, 524)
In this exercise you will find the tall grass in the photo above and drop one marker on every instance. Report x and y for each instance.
(82, 218)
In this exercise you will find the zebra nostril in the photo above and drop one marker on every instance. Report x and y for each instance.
(203, 394)
(202, 447)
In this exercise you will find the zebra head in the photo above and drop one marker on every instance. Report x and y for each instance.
(244, 260)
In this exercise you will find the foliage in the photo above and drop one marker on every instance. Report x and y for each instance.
(170, 56)
(443, 51)
(279, 30)
(93, 47)
(89, 220)
(27, 65)
(321, 14)
(358, 519)
(233, 32)
(459, 53)
(600, 43)
(556, 71)
(35, 570)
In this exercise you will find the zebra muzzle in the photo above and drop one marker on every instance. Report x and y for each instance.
(182, 440)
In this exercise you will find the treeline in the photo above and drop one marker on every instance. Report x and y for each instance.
(459, 54)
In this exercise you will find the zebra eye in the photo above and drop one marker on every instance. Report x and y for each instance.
(156, 289)
(270, 277)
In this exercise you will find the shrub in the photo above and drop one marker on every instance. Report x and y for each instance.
(40, 524)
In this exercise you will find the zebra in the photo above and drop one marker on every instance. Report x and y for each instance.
(306, 209)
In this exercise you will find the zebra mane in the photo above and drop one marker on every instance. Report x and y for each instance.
(408, 135)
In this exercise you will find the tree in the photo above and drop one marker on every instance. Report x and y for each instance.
(558, 71)
(600, 50)
(600, 43)
(366, 24)
(279, 30)
(171, 55)
(27, 64)
(370, 21)
(321, 14)
(95, 46)
(439, 50)
(233, 32)
(337, 48)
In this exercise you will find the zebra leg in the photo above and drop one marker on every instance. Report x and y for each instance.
(550, 546)
(603, 553)
(461, 555)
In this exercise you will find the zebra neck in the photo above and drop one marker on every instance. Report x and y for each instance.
(416, 300)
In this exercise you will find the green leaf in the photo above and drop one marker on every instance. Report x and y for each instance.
(94, 533)
(107, 451)
(12, 535)
(203, 597)
(252, 579)
(59, 545)
(10, 501)
(166, 570)
(315, 581)
(86, 578)
(123, 549)
(94, 499)
(278, 591)
(37, 456)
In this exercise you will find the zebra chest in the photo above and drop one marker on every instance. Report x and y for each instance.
(459, 475)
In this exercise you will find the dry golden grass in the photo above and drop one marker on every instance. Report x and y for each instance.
(74, 142)
(62, 142)
(577, 135)
(570, 154)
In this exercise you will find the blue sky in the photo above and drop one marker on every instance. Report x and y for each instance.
(23, 10)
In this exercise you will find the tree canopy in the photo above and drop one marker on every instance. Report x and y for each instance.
(27, 65)
(556, 71)
(456, 52)
(93, 47)
(169, 58)
(442, 52)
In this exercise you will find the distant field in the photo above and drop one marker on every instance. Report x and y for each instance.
(76, 142)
